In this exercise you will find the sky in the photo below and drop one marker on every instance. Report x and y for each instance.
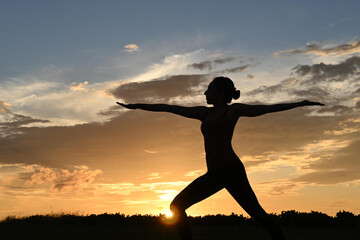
(65, 146)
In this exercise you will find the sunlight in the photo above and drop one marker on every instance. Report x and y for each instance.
(168, 214)
(167, 194)
(168, 218)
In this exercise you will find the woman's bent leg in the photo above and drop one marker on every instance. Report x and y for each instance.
(200, 189)
(239, 187)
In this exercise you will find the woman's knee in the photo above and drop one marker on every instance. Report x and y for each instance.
(177, 207)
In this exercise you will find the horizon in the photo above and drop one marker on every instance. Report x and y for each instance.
(77, 214)
(65, 143)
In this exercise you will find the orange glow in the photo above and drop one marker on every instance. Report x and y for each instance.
(169, 214)
(168, 218)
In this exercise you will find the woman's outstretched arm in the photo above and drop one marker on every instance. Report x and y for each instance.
(257, 110)
(197, 112)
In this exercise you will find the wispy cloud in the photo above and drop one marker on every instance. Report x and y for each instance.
(202, 65)
(63, 178)
(334, 84)
(250, 76)
(11, 123)
(154, 175)
(79, 87)
(50, 93)
(329, 177)
(210, 64)
(237, 69)
(160, 90)
(150, 151)
(4, 107)
(131, 48)
(321, 48)
(340, 22)
(339, 72)
(45, 94)
(194, 173)
(278, 188)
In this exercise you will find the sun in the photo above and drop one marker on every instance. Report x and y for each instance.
(168, 218)
(168, 214)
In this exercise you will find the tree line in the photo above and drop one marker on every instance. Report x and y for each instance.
(342, 219)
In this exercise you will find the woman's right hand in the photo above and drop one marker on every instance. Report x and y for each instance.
(129, 106)
(310, 103)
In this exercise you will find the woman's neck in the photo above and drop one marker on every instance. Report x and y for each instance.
(220, 106)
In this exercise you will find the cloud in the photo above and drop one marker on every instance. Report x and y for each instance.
(63, 178)
(18, 181)
(330, 72)
(341, 165)
(321, 49)
(332, 84)
(202, 65)
(111, 111)
(47, 95)
(12, 123)
(250, 76)
(290, 130)
(238, 69)
(4, 107)
(329, 177)
(131, 48)
(160, 90)
(122, 140)
(209, 64)
(357, 105)
(336, 109)
(195, 173)
(79, 87)
(329, 162)
(278, 188)
(76, 177)
(119, 142)
(150, 151)
(224, 60)
(51, 92)
(42, 175)
(288, 88)
(318, 155)
(154, 175)
(315, 93)
(267, 90)
(345, 158)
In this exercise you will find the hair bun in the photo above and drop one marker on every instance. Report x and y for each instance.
(236, 94)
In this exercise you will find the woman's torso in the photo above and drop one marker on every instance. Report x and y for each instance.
(218, 132)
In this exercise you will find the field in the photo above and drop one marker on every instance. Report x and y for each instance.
(74, 232)
(296, 226)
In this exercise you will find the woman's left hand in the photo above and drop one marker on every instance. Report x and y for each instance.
(129, 106)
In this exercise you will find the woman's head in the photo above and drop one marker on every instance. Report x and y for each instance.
(226, 86)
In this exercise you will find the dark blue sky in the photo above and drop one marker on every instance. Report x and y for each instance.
(68, 33)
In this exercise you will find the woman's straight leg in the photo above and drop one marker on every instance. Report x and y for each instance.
(239, 187)
(198, 190)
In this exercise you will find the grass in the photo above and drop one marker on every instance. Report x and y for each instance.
(104, 232)
(296, 226)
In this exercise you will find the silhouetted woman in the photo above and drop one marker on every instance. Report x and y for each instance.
(225, 170)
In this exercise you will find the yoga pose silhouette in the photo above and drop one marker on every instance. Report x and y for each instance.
(225, 170)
